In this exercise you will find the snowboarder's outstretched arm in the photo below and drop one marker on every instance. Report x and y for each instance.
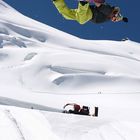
(82, 14)
(67, 105)
(72, 104)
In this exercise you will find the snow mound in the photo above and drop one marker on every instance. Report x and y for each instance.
(34, 124)
(20, 126)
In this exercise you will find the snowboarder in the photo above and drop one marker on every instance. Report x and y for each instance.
(98, 13)
(77, 109)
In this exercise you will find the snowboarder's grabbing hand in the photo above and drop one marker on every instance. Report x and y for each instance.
(98, 13)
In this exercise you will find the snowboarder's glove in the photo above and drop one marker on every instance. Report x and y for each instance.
(125, 19)
(117, 18)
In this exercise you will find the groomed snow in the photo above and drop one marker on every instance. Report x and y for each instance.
(42, 68)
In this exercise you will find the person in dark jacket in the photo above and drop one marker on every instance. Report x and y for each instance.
(98, 13)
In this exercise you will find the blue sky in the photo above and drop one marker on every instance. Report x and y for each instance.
(44, 11)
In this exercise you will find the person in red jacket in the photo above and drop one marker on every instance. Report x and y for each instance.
(77, 109)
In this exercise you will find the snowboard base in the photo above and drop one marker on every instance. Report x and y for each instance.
(96, 109)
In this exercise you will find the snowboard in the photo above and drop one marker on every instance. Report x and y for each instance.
(95, 114)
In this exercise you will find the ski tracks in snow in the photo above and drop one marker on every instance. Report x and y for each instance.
(73, 127)
(108, 132)
(115, 130)
(15, 123)
(24, 124)
(10, 129)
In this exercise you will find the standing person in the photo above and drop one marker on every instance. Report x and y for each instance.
(98, 13)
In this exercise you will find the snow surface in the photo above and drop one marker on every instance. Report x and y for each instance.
(42, 68)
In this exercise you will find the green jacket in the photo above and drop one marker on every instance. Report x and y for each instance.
(82, 14)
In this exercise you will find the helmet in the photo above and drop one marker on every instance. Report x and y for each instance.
(76, 107)
(99, 1)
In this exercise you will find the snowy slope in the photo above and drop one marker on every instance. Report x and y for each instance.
(44, 68)
(35, 125)
(67, 62)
